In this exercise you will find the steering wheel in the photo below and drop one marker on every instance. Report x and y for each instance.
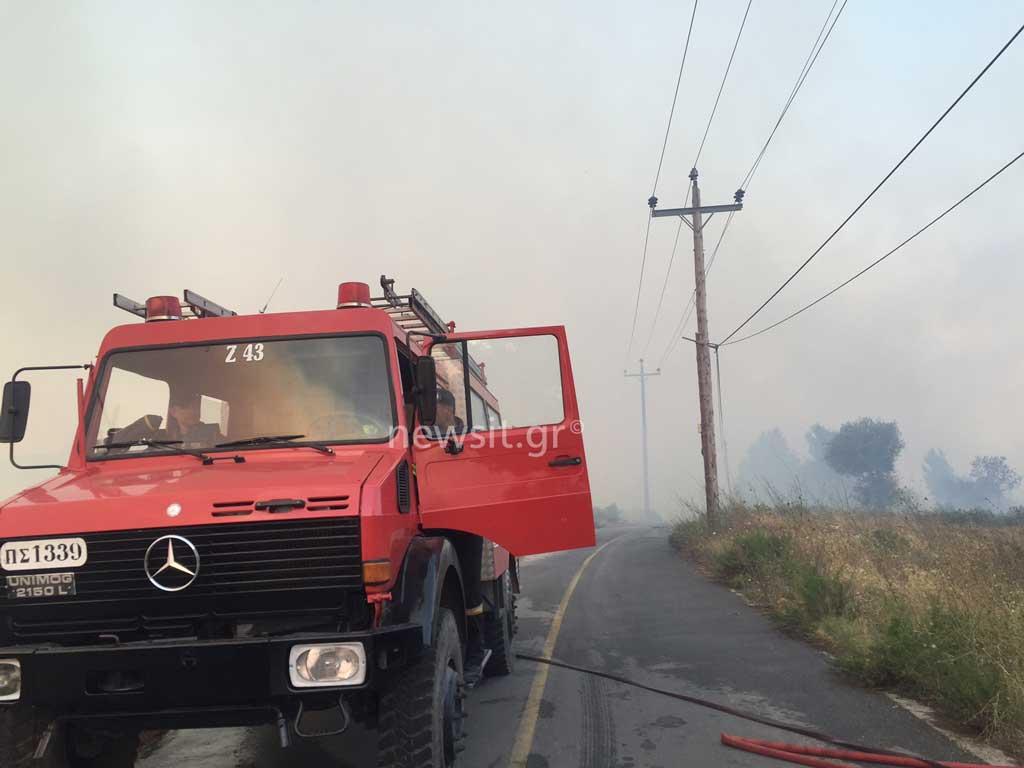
(346, 425)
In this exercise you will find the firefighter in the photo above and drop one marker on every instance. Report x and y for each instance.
(470, 551)
(447, 421)
(184, 423)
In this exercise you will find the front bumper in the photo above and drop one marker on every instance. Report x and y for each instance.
(221, 682)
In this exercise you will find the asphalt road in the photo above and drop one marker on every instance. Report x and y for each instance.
(638, 610)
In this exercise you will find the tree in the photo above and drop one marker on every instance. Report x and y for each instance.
(994, 479)
(989, 482)
(769, 465)
(818, 440)
(867, 451)
(818, 480)
(944, 485)
(610, 515)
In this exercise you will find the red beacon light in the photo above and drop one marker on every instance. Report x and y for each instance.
(353, 295)
(163, 308)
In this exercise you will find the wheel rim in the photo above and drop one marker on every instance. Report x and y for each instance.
(453, 714)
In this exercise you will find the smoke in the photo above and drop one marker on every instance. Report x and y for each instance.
(499, 161)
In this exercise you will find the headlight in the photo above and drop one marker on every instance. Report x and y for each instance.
(10, 679)
(312, 666)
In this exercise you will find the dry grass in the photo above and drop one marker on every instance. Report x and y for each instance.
(913, 602)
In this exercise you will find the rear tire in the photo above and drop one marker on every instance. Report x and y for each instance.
(500, 629)
(421, 708)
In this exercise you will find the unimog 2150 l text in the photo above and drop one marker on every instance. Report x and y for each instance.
(272, 514)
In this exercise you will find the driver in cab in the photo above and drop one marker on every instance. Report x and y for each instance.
(184, 423)
(447, 422)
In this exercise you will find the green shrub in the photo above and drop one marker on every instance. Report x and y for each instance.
(931, 605)
(686, 533)
(934, 657)
(888, 541)
(756, 560)
(823, 594)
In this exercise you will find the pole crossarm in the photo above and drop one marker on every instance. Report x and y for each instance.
(692, 210)
(710, 344)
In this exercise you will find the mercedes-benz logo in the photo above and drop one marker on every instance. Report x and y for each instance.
(172, 563)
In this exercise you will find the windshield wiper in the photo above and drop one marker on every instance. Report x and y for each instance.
(277, 441)
(168, 445)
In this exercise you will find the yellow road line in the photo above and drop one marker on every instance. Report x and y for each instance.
(528, 722)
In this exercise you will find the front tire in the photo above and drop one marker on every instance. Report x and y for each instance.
(20, 730)
(421, 708)
(22, 727)
(87, 748)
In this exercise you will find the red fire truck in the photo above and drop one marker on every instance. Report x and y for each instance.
(267, 515)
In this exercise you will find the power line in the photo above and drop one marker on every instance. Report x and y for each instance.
(877, 186)
(812, 57)
(675, 96)
(657, 177)
(674, 338)
(639, 285)
(664, 286)
(725, 77)
(707, 128)
(805, 70)
(721, 422)
(878, 261)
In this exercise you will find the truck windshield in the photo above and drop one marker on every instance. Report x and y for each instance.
(319, 390)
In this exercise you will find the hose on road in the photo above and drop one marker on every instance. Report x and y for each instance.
(805, 755)
(790, 752)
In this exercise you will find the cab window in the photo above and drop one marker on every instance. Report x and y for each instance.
(318, 389)
(524, 377)
(478, 411)
(452, 417)
(493, 418)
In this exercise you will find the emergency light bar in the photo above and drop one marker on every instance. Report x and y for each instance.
(159, 308)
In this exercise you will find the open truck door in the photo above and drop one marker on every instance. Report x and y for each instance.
(504, 458)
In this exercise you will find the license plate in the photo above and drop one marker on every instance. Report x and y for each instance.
(43, 554)
(40, 585)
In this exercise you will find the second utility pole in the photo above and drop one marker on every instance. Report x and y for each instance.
(704, 391)
(643, 431)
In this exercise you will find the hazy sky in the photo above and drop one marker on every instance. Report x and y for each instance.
(498, 158)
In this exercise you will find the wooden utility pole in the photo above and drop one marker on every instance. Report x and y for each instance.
(643, 430)
(707, 415)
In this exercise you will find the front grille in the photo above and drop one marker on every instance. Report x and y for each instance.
(247, 571)
(402, 482)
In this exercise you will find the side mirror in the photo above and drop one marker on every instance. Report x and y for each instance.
(426, 390)
(14, 417)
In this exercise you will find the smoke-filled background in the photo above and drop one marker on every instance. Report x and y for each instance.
(499, 158)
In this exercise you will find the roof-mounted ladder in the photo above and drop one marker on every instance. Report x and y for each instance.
(410, 312)
(199, 306)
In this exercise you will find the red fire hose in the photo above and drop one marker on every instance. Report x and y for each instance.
(811, 756)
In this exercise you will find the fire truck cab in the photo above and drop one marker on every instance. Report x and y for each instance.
(271, 514)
